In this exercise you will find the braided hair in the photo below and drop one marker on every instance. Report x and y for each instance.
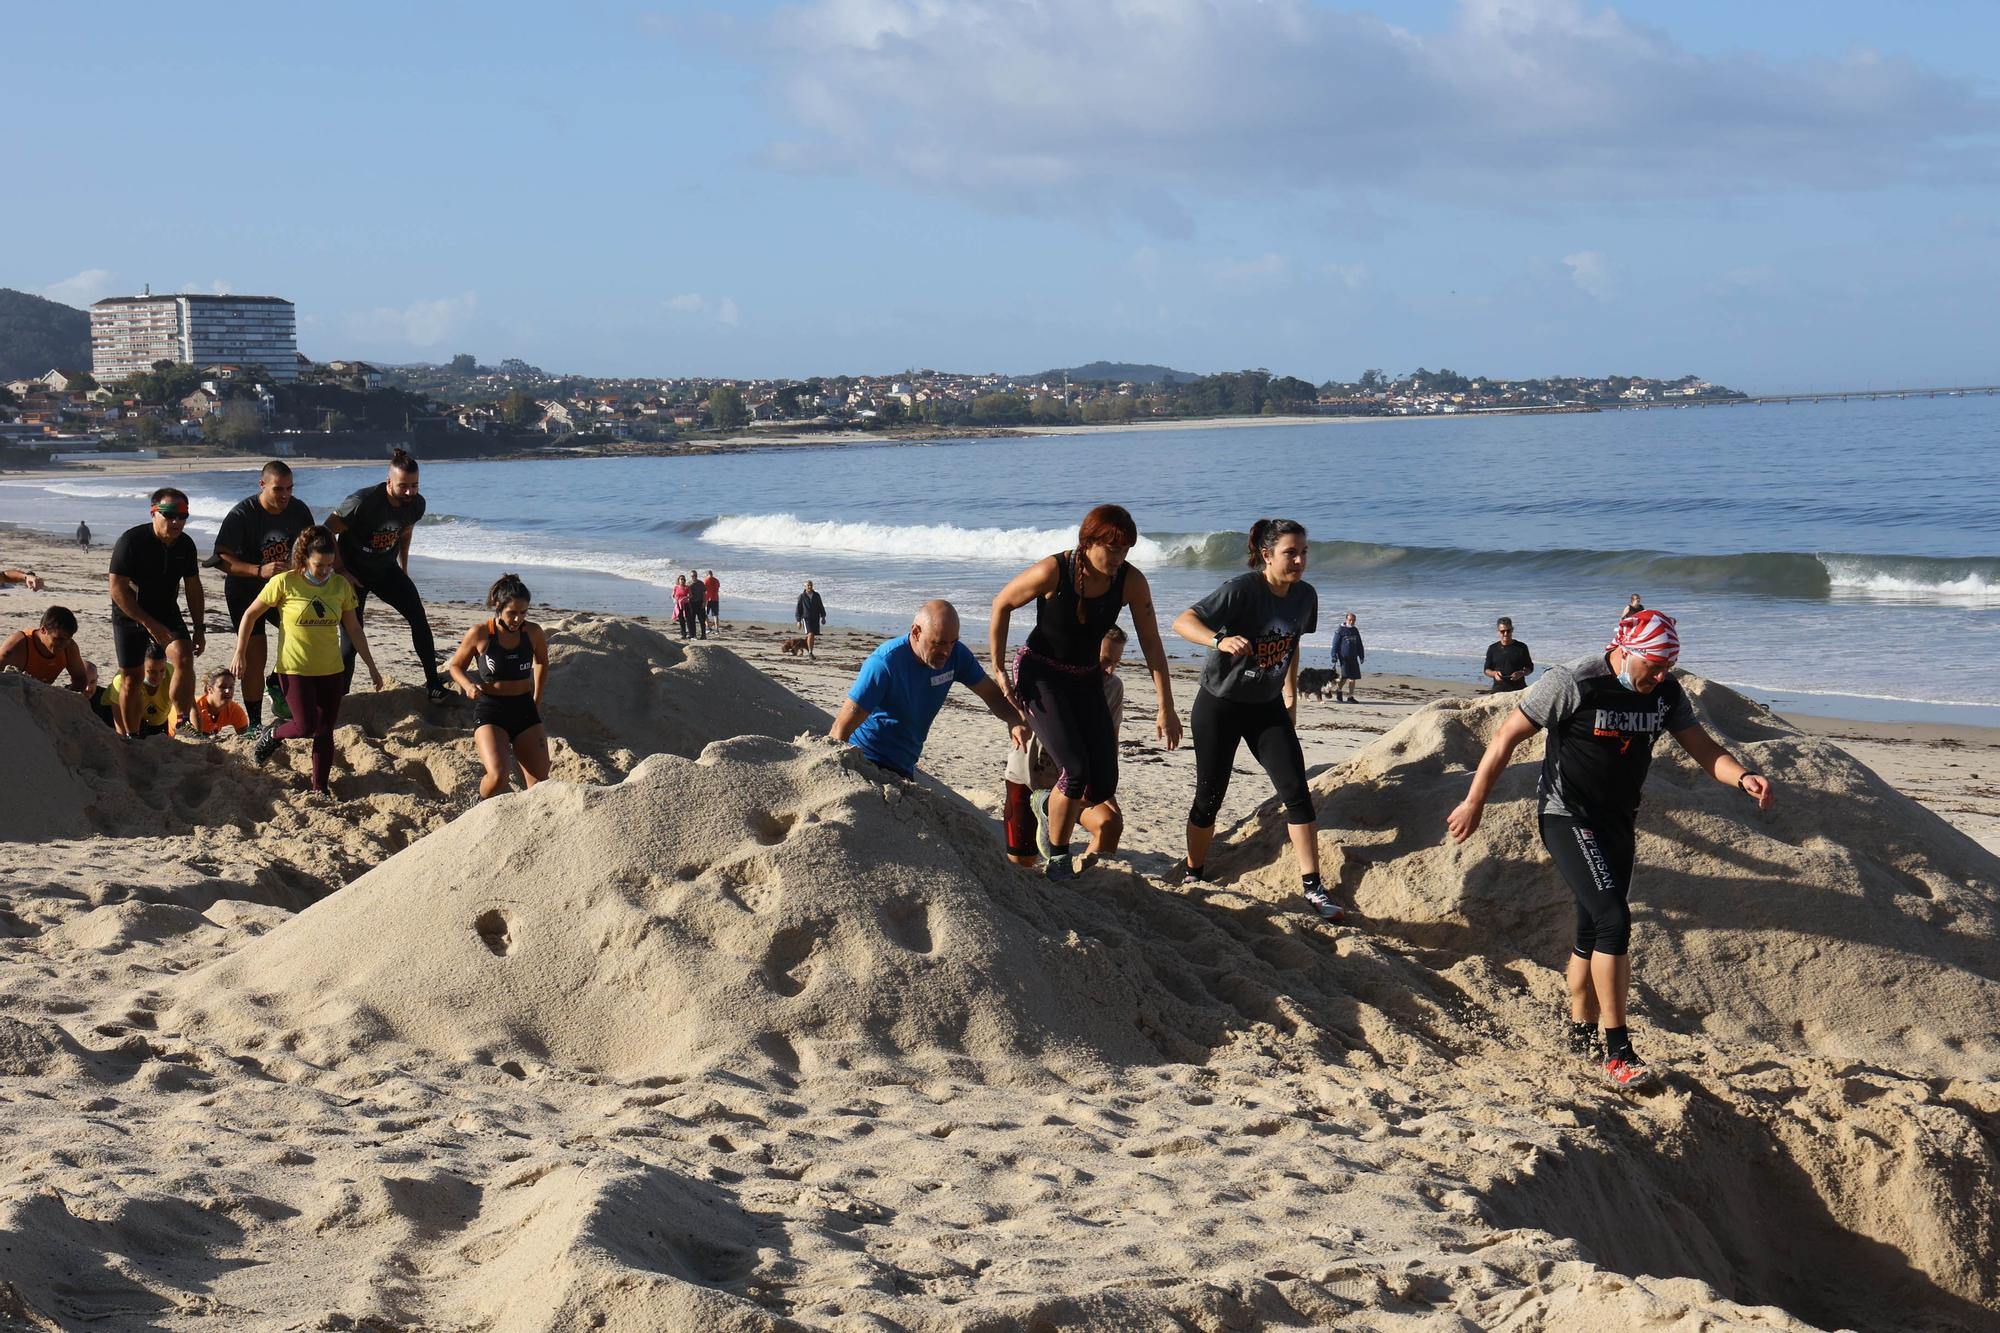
(1100, 527)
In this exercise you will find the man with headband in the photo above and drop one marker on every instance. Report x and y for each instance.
(1603, 714)
(150, 567)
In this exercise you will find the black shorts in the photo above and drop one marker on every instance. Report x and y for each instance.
(1349, 670)
(238, 599)
(715, 609)
(129, 639)
(812, 626)
(1594, 859)
(512, 713)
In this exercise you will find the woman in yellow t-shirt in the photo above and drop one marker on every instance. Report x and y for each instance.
(313, 604)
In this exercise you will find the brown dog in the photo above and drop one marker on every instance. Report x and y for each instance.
(793, 646)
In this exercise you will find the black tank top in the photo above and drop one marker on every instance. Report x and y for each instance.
(1058, 634)
(497, 663)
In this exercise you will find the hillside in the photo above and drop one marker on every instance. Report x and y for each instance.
(1118, 372)
(37, 335)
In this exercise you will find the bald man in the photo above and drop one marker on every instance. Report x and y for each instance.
(900, 688)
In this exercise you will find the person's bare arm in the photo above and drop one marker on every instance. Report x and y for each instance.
(359, 638)
(1037, 580)
(847, 720)
(79, 673)
(336, 525)
(997, 701)
(244, 629)
(1146, 624)
(197, 603)
(1291, 690)
(474, 639)
(236, 566)
(540, 641)
(1464, 820)
(125, 596)
(17, 642)
(403, 547)
(1723, 766)
(1195, 630)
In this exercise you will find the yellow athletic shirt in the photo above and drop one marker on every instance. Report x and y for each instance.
(310, 618)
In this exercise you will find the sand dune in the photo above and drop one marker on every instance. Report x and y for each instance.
(721, 1030)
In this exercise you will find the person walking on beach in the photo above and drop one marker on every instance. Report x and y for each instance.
(48, 650)
(1603, 714)
(681, 603)
(809, 614)
(712, 586)
(83, 535)
(152, 565)
(320, 618)
(1249, 692)
(216, 706)
(1078, 595)
(253, 546)
(513, 657)
(896, 695)
(697, 604)
(373, 528)
(1508, 662)
(1348, 655)
(1031, 775)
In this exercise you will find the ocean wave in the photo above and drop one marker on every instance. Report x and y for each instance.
(925, 541)
(467, 541)
(201, 506)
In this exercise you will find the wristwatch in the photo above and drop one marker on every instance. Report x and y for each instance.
(1747, 775)
(1218, 641)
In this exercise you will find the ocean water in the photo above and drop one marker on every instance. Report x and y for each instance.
(1835, 558)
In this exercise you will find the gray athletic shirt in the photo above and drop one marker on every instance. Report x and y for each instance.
(1625, 721)
(1245, 605)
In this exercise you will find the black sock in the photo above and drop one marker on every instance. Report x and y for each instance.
(1618, 1043)
(253, 707)
(1310, 880)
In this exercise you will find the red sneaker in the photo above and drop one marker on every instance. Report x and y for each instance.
(1628, 1070)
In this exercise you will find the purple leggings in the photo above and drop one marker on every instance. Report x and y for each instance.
(315, 704)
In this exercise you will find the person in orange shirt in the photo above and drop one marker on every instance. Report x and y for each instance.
(47, 650)
(216, 706)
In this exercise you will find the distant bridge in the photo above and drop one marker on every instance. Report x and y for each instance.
(1783, 399)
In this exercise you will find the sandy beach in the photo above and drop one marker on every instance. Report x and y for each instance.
(723, 1030)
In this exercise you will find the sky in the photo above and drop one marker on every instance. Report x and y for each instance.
(1779, 197)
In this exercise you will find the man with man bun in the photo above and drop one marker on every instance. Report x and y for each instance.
(1603, 714)
(374, 527)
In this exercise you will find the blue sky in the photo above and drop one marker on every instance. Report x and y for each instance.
(1778, 196)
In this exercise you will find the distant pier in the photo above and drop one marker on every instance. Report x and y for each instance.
(1785, 399)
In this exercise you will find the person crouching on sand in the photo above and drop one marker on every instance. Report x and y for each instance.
(901, 686)
(48, 650)
(1603, 714)
(1078, 595)
(1032, 774)
(1249, 692)
(216, 706)
(314, 605)
(513, 657)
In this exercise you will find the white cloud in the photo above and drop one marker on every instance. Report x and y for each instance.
(82, 289)
(419, 324)
(219, 287)
(1137, 105)
(723, 310)
(687, 303)
(1349, 276)
(727, 313)
(1591, 272)
(1267, 267)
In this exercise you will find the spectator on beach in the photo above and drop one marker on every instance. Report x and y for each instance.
(141, 704)
(1633, 607)
(809, 614)
(47, 650)
(697, 604)
(1078, 595)
(1508, 662)
(901, 686)
(681, 603)
(713, 587)
(152, 565)
(83, 535)
(253, 546)
(318, 615)
(512, 653)
(373, 528)
(216, 706)
(1032, 774)
(1348, 655)
(26, 577)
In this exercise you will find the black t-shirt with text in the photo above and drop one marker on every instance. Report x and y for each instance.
(1507, 658)
(1600, 738)
(374, 527)
(252, 533)
(157, 568)
(1246, 605)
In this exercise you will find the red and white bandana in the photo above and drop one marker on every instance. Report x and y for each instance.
(1649, 634)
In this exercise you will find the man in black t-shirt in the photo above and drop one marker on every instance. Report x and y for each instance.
(374, 526)
(1508, 662)
(151, 565)
(1603, 714)
(253, 546)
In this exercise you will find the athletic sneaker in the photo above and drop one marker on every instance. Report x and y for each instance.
(1322, 902)
(1627, 1070)
(274, 694)
(1585, 1043)
(1061, 867)
(267, 742)
(1039, 803)
(1187, 874)
(442, 693)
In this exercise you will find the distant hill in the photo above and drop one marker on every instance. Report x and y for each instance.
(38, 335)
(1118, 372)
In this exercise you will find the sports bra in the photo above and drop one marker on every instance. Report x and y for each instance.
(497, 663)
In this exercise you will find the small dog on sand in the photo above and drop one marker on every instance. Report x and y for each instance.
(793, 646)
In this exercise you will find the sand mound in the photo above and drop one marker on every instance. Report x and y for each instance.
(1848, 920)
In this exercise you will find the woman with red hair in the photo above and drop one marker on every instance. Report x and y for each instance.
(1057, 682)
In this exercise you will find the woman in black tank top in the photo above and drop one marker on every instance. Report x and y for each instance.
(1055, 680)
(512, 655)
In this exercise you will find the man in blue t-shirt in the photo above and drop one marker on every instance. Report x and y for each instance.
(900, 688)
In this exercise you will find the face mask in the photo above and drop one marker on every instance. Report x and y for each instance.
(1625, 678)
(317, 582)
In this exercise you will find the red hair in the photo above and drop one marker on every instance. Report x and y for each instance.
(1100, 527)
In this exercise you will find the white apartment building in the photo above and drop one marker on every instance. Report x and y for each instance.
(129, 333)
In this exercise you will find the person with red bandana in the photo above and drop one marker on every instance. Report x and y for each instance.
(1603, 714)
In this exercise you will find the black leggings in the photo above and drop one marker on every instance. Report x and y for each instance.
(1219, 725)
(1070, 717)
(1595, 860)
(393, 586)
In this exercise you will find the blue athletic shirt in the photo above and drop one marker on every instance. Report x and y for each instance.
(903, 697)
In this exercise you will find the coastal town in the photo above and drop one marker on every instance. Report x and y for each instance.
(172, 371)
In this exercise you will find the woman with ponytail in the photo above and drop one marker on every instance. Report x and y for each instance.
(1249, 691)
(513, 658)
(1056, 679)
(314, 604)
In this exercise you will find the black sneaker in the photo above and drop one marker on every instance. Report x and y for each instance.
(267, 742)
(1190, 874)
(1061, 867)
(1322, 902)
(441, 693)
